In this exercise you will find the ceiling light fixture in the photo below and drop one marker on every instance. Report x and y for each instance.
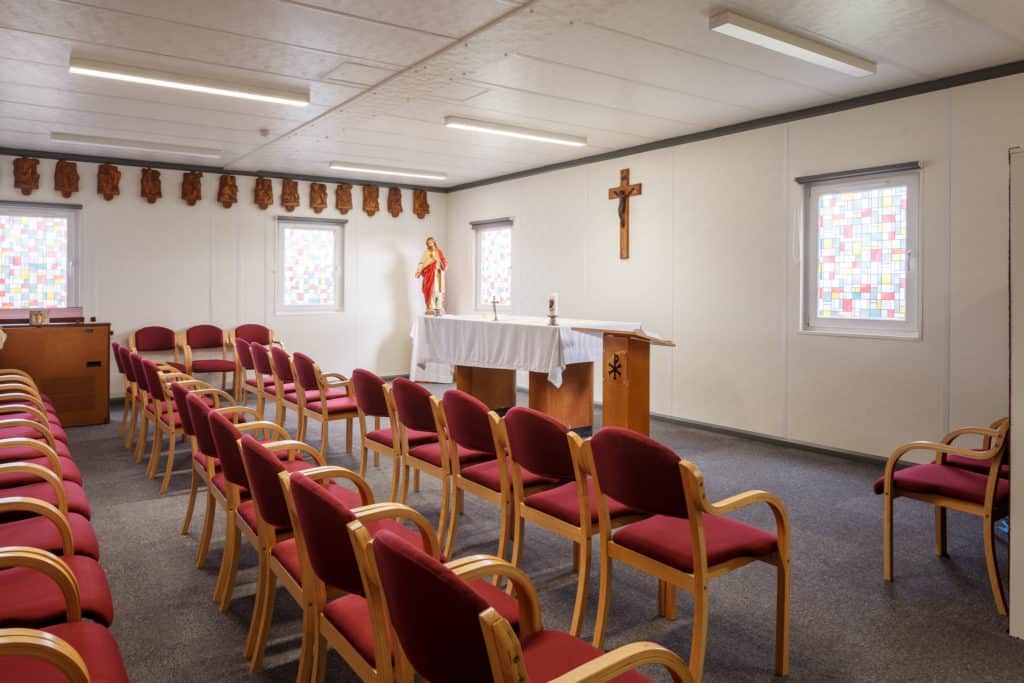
(384, 170)
(141, 145)
(513, 131)
(163, 79)
(790, 44)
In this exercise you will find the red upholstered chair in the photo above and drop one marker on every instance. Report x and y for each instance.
(166, 420)
(686, 541)
(981, 466)
(284, 385)
(39, 524)
(323, 396)
(266, 384)
(31, 469)
(254, 332)
(206, 337)
(447, 632)
(277, 550)
(420, 423)
(79, 652)
(953, 486)
(550, 488)
(147, 402)
(337, 563)
(246, 381)
(373, 399)
(132, 392)
(45, 452)
(36, 586)
(154, 339)
(115, 351)
(477, 465)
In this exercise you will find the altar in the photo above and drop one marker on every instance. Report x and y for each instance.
(483, 356)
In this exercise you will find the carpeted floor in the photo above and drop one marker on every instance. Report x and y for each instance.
(937, 622)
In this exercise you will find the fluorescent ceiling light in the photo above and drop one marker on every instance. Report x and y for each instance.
(513, 131)
(142, 145)
(384, 170)
(763, 35)
(163, 79)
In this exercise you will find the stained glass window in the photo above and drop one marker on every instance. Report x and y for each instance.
(861, 236)
(34, 261)
(494, 264)
(309, 266)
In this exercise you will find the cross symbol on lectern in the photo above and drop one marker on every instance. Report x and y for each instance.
(615, 367)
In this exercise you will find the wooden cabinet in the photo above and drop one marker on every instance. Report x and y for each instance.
(69, 362)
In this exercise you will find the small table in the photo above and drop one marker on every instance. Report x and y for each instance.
(484, 355)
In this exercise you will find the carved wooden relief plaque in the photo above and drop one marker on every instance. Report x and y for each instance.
(192, 187)
(317, 197)
(65, 178)
(289, 194)
(227, 191)
(26, 174)
(151, 187)
(264, 192)
(343, 198)
(108, 181)
(371, 199)
(420, 206)
(394, 201)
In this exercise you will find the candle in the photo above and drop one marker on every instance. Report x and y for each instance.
(553, 305)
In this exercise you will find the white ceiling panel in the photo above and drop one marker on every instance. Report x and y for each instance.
(382, 76)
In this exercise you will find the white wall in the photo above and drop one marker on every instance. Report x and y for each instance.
(714, 265)
(175, 265)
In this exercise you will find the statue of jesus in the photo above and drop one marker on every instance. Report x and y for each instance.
(431, 268)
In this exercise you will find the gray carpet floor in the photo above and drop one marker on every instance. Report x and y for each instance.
(937, 622)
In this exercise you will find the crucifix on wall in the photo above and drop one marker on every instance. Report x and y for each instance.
(623, 192)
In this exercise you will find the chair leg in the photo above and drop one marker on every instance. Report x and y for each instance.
(279, 414)
(348, 435)
(782, 619)
(416, 481)
(260, 403)
(310, 632)
(365, 456)
(325, 436)
(575, 556)
(134, 423)
(604, 596)
(887, 537)
(140, 441)
(699, 643)
(257, 605)
(124, 417)
(666, 600)
(396, 474)
(442, 520)
(518, 537)
(991, 563)
(171, 451)
(154, 452)
(204, 538)
(405, 482)
(193, 489)
(453, 520)
(940, 531)
(266, 619)
(504, 530)
(228, 564)
(319, 656)
(582, 584)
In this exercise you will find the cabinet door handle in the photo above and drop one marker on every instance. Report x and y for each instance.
(93, 363)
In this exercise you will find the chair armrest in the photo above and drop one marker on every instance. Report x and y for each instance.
(335, 375)
(46, 450)
(43, 509)
(326, 472)
(7, 408)
(938, 448)
(50, 565)
(274, 428)
(231, 411)
(624, 659)
(291, 446)
(175, 375)
(278, 342)
(218, 394)
(44, 430)
(985, 432)
(377, 511)
(49, 476)
(29, 642)
(486, 566)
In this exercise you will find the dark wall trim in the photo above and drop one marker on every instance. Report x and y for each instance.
(163, 165)
(40, 205)
(491, 221)
(986, 74)
(858, 172)
(304, 219)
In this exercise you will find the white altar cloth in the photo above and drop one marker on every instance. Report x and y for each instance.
(511, 343)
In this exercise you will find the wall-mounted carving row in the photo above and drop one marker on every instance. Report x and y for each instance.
(108, 184)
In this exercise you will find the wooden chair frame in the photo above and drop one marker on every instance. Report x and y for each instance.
(163, 407)
(696, 582)
(995, 440)
(323, 417)
(142, 415)
(366, 445)
(579, 535)
(41, 508)
(409, 462)
(226, 346)
(128, 390)
(48, 476)
(280, 397)
(241, 387)
(30, 642)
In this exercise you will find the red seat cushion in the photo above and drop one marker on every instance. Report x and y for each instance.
(350, 614)
(287, 553)
(505, 604)
(77, 501)
(220, 483)
(431, 452)
(487, 474)
(180, 367)
(26, 452)
(202, 458)
(667, 540)
(32, 599)
(247, 511)
(562, 502)
(981, 466)
(549, 654)
(313, 395)
(68, 469)
(271, 388)
(39, 532)
(30, 432)
(416, 437)
(213, 365)
(342, 404)
(946, 480)
(93, 642)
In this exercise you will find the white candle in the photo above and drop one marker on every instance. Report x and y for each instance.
(553, 304)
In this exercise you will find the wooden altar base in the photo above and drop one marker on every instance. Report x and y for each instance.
(573, 402)
(495, 387)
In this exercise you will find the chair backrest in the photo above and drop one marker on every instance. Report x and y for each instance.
(282, 364)
(254, 332)
(154, 385)
(323, 519)
(412, 403)
(199, 416)
(306, 371)
(538, 442)
(243, 353)
(262, 468)
(140, 374)
(261, 358)
(180, 395)
(430, 610)
(154, 338)
(115, 349)
(204, 337)
(468, 425)
(124, 353)
(638, 471)
(369, 391)
(225, 443)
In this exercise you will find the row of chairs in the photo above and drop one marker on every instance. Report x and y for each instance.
(56, 606)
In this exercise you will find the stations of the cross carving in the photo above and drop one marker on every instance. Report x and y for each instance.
(623, 191)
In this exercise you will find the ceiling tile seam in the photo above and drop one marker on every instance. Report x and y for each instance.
(199, 27)
(349, 15)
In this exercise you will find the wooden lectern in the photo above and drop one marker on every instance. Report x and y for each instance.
(626, 390)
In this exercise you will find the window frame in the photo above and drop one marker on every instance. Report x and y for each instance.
(72, 213)
(810, 323)
(480, 227)
(283, 223)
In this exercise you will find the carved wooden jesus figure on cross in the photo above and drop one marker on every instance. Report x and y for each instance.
(623, 192)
